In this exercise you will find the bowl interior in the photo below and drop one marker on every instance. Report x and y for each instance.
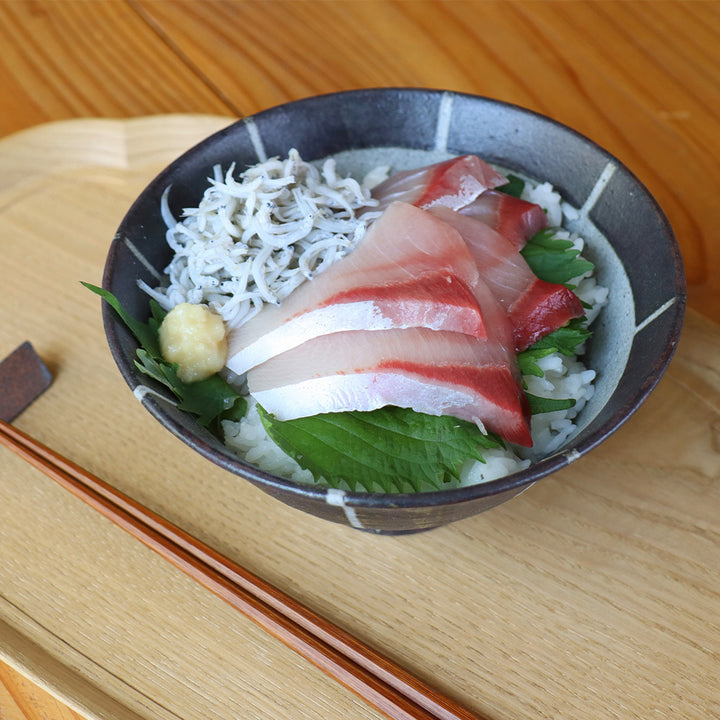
(628, 239)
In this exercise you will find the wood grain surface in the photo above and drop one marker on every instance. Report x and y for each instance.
(593, 595)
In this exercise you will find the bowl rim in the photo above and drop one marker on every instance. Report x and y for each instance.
(516, 481)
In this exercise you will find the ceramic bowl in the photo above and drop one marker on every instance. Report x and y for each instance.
(629, 239)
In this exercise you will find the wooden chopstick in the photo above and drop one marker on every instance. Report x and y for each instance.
(370, 675)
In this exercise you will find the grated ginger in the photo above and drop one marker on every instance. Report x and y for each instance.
(193, 336)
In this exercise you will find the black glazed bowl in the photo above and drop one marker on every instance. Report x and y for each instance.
(628, 236)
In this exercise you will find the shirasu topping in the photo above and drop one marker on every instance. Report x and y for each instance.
(253, 241)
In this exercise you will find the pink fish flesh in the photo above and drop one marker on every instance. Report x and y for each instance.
(534, 307)
(515, 219)
(410, 270)
(453, 183)
(429, 371)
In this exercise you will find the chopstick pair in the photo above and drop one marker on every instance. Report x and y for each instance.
(376, 679)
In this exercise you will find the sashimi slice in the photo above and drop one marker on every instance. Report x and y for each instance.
(452, 183)
(410, 270)
(432, 372)
(534, 307)
(515, 219)
(500, 336)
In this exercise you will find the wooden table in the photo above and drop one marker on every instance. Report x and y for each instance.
(579, 599)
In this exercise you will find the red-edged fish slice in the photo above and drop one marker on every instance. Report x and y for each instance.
(410, 270)
(535, 307)
(515, 219)
(452, 183)
(433, 372)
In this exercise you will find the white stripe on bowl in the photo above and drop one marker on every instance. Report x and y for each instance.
(255, 138)
(336, 498)
(142, 391)
(442, 130)
(656, 314)
(600, 185)
(143, 260)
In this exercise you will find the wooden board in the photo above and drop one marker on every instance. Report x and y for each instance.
(594, 594)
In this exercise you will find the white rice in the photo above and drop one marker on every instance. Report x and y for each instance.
(231, 254)
(249, 439)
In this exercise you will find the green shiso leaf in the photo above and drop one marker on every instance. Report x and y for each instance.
(565, 340)
(540, 405)
(527, 360)
(514, 186)
(211, 400)
(394, 448)
(554, 259)
(145, 334)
